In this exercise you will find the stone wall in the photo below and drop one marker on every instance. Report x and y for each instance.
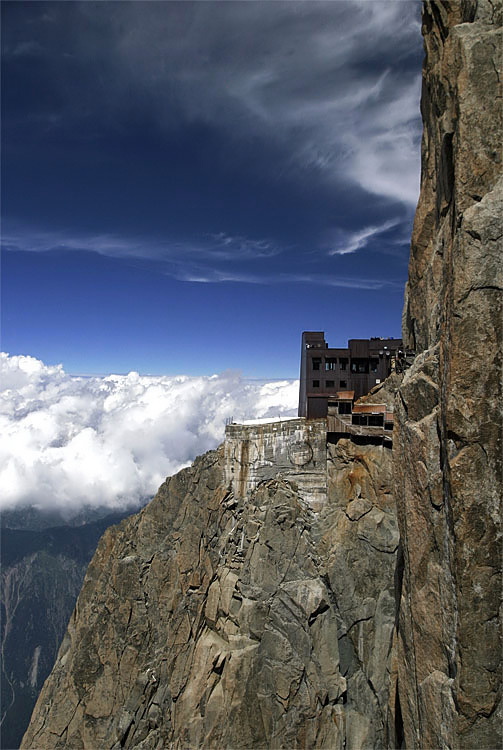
(295, 449)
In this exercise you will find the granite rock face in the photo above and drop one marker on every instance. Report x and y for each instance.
(448, 415)
(359, 545)
(214, 620)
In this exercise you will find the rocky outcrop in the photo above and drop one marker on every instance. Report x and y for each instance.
(216, 620)
(447, 449)
(383, 393)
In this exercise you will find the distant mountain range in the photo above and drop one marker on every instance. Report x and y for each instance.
(42, 570)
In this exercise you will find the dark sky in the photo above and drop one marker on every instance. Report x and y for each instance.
(187, 186)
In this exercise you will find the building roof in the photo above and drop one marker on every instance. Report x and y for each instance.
(341, 396)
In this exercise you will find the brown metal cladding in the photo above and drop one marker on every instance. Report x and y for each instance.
(326, 372)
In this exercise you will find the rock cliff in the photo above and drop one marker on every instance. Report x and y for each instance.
(447, 449)
(230, 613)
(216, 620)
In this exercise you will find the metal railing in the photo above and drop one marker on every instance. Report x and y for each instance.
(336, 424)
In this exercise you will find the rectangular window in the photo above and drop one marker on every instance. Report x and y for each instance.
(376, 420)
(330, 384)
(359, 365)
(316, 363)
(343, 363)
(344, 407)
(316, 383)
(373, 365)
(343, 384)
(330, 363)
(359, 419)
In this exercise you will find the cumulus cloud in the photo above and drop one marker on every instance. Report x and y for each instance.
(74, 441)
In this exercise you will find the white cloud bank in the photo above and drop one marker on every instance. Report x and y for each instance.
(70, 441)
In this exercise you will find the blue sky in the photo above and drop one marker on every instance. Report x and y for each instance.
(186, 187)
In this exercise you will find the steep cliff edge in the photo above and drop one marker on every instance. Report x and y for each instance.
(447, 440)
(213, 620)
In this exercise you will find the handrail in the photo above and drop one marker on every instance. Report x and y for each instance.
(358, 430)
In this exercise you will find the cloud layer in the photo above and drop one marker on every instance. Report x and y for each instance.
(346, 243)
(73, 441)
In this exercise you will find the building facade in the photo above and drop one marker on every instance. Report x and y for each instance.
(325, 371)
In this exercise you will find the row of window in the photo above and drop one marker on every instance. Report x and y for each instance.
(330, 384)
(357, 365)
(371, 420)
(330, 363)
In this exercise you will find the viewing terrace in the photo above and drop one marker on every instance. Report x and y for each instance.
(363, 420)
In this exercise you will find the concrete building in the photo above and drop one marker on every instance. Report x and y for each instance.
(326, 371)
(295, 449)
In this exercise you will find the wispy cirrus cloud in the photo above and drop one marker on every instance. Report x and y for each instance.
(315, 81)
(212, 276)
(40, 241)
(211, 247)
(346, 242)
(29, 48)
(230, 247)
(215, 258)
